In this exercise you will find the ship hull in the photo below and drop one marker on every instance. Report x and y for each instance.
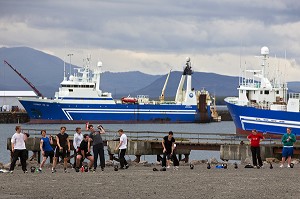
(265, 121)
(62, 111)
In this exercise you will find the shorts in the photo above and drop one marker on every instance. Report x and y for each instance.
(287, 151)
(86, 155)
(63, 153)
(49, 154)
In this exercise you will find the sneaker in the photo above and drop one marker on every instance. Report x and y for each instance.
(281, 166)
(288, 166)
(94, 170)
(53, 170)
(11, 172)
(76, 169)
(255, 167)
(176, 168)
(121, 168)
(25, 171)
(40, 170)
(168, 167)
(102, 168)
(65, 170)
(126, 166)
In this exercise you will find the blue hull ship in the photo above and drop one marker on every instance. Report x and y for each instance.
(264, 105)
(80, 100)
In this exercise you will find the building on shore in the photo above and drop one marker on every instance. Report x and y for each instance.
(9, 100)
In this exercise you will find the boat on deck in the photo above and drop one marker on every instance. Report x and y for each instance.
(80, 100)
(263, 103)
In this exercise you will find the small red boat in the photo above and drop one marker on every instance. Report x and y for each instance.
(129, 99)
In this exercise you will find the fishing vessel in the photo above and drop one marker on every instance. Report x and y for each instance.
(80, 99)
(263, 103)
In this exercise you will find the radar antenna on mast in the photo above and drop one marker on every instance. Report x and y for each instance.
(26, 80)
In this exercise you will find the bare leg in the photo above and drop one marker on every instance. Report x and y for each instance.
(78, 160)
(289, 159)
(43, 162)
(282, 160)
(54, 162)
(91, 161)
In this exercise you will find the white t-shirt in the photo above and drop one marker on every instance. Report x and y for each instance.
(77, 140)
(123, 139)
(18, 141)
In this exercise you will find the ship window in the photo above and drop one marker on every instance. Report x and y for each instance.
(277, 92)
(75, 86)
(266, 92)
(70, 90)
(260, 92)
(241, 91)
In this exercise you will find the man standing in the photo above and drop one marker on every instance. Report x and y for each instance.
(288, 141)
(18, 149)
(168, 144)
(76, 143)
(98, 147)
(46, 148)
(62, 148)
(122, 146)
(255, 139)
(84, 152)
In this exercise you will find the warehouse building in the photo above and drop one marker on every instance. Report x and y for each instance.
(9, 101)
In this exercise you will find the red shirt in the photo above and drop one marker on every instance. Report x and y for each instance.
(255, 139)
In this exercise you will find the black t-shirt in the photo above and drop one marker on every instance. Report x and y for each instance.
(168, 144)
(83, 146)
(63, 139)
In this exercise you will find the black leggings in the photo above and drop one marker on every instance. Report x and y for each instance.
(22, 153)
(122, 159)
(98, 150)
(256, 156)
(170, 157)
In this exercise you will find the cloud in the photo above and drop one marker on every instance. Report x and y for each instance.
(152, 36)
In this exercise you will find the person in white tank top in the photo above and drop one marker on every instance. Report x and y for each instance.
(122, 146)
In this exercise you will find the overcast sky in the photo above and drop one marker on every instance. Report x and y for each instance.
(157, 35)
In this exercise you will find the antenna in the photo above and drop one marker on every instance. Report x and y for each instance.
(70, 55)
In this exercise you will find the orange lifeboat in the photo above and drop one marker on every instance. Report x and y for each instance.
(129, 99)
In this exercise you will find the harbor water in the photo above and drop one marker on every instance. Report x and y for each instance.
(226, 127)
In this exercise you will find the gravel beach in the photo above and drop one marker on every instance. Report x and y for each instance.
(143, 182)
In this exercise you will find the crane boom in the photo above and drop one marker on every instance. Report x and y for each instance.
(162, 96)
(26, 80)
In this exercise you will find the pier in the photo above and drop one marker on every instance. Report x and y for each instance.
(230, 146)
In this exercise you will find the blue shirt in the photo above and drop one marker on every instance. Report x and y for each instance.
(46, 144)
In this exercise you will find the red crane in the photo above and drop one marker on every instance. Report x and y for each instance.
(26, 80)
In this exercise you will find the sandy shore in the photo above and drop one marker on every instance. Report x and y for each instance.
(143, 182)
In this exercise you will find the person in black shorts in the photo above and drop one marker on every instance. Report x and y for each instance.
(62, 148)
(46, 148)
(168, 144)
(84, 152)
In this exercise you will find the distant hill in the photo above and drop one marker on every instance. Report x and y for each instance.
(46, 72)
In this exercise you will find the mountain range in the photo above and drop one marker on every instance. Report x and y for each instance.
(45, 71)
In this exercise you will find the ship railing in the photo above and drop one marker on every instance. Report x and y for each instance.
(294, 95)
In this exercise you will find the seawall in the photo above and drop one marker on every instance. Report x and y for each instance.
(13, 117)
